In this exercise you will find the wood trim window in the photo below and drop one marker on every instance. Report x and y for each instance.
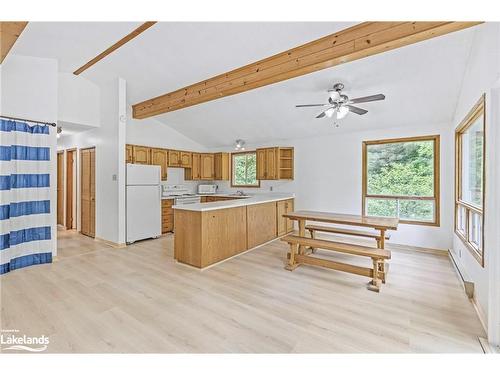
(470, 152)
(244, 169)
(401, 179)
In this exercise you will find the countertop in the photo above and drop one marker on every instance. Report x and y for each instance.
(251, 200)
(222, 195)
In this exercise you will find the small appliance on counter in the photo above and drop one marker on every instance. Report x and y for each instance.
(207, 189)
(179, 193)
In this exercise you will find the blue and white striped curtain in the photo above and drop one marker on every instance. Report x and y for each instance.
(25, 219)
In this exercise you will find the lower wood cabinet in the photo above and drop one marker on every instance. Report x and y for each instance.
(284, 225)
(167, 215)
(261, 223)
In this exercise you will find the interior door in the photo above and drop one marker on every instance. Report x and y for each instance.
(70, 170)
(60, 188)
(87, 191)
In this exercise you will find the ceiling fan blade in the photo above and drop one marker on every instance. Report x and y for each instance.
(321, 115)
(357, 110)
(311, 105)
(370, 98)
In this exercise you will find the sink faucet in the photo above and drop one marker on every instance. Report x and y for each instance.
(240, 192)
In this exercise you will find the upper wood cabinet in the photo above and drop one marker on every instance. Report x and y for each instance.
(185, 159)
(193, 173)
(174, 158)
(274, 163)
(207, 166)
(129, 154)
(141, 155)
(159, 157)
(221, 166)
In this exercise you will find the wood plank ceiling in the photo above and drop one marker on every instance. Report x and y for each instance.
(9, 32)
(114, 47)
(363, 40)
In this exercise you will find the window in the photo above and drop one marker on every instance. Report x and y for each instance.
(244, 169)
(401, 179)
(469, 180)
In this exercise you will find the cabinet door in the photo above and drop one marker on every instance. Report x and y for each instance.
(282, 222)
(261, 164)
(271, 164)
(186, 160)
(289, 208)
(218, 166)
(142, 155)
(160, 157)
(174, 158)
(196, 166)
(129, 155)
(207, 166)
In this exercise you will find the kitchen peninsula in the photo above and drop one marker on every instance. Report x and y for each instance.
(207, 233)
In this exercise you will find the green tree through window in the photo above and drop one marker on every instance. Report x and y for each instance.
(399, 179)
(244, 169)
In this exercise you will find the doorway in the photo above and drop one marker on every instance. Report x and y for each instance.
(60, 188)
(70, 189)
(87, 191)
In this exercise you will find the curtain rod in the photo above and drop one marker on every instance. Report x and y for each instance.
(25, 119)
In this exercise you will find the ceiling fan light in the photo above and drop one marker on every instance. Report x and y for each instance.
(334, 95)
(329, 112)
(342, 112)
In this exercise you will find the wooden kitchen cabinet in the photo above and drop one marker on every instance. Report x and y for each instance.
(261, 223)
(185, 159)
(284, 225)
(193, 173)
(174, 158)
(167, 215)
(221, 166)
(275, 163)
(129, 154)
(207, 166)
(141, 155)
(159, 157)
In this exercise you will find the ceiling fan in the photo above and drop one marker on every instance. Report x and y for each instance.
(341, 105)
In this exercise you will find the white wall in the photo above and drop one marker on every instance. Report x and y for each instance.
(482, 74)
(328, 177)
(79, 100)
(108, 139)
(29, 90)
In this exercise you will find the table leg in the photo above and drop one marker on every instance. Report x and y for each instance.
(381, 243)
(374, 285)
(302, 233)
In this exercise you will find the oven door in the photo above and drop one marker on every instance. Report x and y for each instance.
(187, 200)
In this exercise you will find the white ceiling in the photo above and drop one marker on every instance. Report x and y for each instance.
(421, 81)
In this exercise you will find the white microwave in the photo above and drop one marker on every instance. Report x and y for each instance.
(207, 189)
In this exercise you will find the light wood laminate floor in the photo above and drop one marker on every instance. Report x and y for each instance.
(99, 299)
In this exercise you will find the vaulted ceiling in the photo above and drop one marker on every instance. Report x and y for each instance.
(421, 81)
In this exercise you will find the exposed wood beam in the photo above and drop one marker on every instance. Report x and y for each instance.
(114, 47)
(363, 40)
(9, 32)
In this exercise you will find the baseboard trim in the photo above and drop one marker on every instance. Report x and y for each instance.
(467, 283)
(111, 243)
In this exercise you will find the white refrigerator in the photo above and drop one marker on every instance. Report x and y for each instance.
(143, 202)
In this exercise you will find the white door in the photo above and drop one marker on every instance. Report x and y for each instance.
(143, 212)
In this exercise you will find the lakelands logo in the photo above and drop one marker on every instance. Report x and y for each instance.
(12, 340)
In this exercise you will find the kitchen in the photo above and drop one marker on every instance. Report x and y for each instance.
(150, 172)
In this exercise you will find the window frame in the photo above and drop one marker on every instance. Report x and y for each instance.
(437, 178)
(478, 110)
(233, 154)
